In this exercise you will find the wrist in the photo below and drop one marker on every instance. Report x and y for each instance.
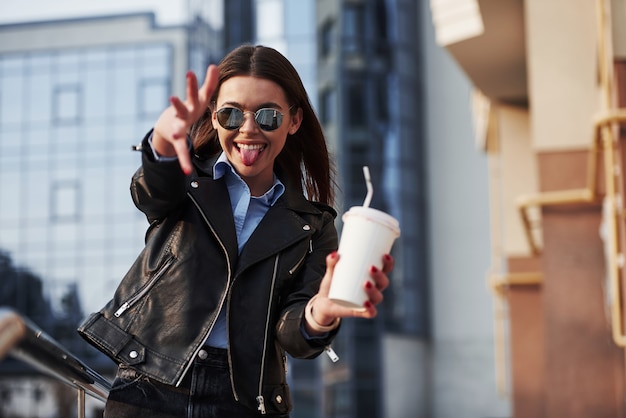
(313, 323)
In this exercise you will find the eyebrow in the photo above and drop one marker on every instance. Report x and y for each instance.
(261, 106)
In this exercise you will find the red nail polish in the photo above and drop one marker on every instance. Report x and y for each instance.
(368, 285)
(334, 254)
(373, 269)
(367, 304)
(387, 257)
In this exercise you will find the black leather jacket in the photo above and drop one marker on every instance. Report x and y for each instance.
(167, 303)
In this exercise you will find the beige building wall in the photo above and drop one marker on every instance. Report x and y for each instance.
(562, 72)
(515, 156)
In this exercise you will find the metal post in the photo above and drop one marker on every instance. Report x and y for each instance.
(81, 403)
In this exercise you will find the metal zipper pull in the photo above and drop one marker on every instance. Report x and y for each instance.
(122, 309)
(331, 353)
(261, 401)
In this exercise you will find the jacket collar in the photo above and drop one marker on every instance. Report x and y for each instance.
(292, 198)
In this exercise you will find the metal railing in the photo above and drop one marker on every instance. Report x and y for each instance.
(22, 339)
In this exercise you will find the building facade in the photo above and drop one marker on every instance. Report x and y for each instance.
(75, 95)
(549, 80)
(390, 98)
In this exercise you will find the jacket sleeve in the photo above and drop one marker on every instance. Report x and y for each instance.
(157, 187)
(289, 328)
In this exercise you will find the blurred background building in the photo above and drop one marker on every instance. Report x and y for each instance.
(490, 129)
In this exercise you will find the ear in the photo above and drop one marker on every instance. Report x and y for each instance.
(296, 121)
(214, 119)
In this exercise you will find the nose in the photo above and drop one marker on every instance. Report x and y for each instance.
(249, 123)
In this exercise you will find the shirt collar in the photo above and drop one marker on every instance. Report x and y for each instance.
(223, 167)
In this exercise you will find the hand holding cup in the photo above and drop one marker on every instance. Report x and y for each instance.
(326, 311)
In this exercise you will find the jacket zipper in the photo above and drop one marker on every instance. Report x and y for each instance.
(260, 399)
(222, 299)
(299, 263)
(331, 354)
(142, 292)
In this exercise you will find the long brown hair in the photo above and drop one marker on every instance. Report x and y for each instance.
(304, 159)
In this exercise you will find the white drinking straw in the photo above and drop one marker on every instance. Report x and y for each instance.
(370, 188)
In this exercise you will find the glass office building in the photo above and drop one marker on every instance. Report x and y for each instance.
(369, 79)
(74, 97)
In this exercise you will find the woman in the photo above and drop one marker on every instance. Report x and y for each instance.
(238, 262)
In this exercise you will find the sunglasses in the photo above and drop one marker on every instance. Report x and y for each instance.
(231, 118)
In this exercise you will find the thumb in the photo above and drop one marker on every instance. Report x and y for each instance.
(331, 262)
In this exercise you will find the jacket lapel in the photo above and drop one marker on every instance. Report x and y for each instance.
(281, 227)
(213, 202)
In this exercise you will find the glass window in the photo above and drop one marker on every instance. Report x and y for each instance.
(95, 94)
(12, 64)
(66, 103)
(96, 58)
(270, 20)
(353, 28)
(40, 63)
(68, 61)
(37, 199)
(64, 203)
(10, 146)
(357, 157)
(39, 98)
(124, 57)
(155, 61)
(122, 91)
(326, 39)
(9, 196)
(328, 106)
(11, 96)
(153, 96)
(356, 104)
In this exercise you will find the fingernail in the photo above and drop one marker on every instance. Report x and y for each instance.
(373, 269)
(367, 304)
(368, 285)
(387, 257)
(333, 254)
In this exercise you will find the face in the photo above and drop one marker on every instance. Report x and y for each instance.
(250, 149)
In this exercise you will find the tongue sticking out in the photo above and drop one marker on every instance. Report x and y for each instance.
(250, 153)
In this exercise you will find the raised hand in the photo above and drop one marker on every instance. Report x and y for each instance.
(170, 131)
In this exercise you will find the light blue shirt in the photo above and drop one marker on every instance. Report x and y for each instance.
(248, 211)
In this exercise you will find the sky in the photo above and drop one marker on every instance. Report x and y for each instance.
(16, 11)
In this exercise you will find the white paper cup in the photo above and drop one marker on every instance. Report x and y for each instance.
(368, 234)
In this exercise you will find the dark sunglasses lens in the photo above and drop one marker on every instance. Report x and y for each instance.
(268, 119)
(230, 118)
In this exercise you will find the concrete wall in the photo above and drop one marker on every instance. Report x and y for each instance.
(462, 352)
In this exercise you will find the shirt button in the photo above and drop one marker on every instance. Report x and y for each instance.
(202, 354)
(307, 227)
(279, 399)
(133, 354)
(194, 184)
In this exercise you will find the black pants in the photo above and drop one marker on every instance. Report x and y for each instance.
(205, 392)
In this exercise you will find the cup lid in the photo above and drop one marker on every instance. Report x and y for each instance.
(376, 215)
